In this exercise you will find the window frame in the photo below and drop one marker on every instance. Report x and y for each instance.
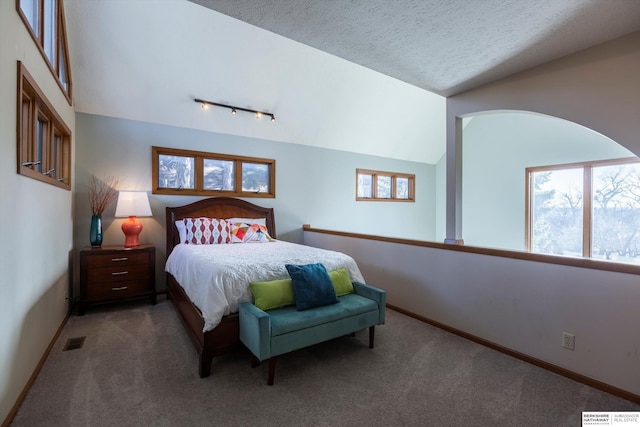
(47, 159)
(374, 186)
(60, 66)
(587, 198)
(199, 157)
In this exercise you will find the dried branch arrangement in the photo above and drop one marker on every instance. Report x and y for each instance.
(101, 193)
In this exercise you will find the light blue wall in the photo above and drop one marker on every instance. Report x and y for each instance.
(497, 148)
(313, 185)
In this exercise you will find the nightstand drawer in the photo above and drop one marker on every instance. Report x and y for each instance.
(118, 259)
(117, 273)
(114, 273)
(116, 290)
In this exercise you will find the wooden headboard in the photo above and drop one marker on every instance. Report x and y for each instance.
(215, 207)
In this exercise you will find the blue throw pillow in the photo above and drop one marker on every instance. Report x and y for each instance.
(312, 286)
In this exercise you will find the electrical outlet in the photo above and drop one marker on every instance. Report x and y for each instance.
(568, 341)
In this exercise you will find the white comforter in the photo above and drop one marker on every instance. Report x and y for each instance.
(216, 277)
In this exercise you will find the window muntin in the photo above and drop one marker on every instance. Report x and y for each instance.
(45, 21)
(211, 174)
(589, 209)
(384, 186)
(44, 141)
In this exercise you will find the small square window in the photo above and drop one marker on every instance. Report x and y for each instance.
(255, 177)
(365, 187)
(384, 186)
(219, 175)
(176, 172)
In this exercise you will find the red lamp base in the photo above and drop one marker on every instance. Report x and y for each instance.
(131, 228)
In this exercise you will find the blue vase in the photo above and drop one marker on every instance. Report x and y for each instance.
(95, 233)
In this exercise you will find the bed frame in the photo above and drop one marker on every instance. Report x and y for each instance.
(224, 338)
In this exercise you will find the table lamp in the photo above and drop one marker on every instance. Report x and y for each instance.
(132, 204)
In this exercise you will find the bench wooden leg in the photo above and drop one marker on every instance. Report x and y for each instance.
(254, 361)
(372, 331)
(272, 370)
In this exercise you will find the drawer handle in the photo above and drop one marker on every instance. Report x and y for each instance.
(121, 288)
(119, 259)
(119, 273)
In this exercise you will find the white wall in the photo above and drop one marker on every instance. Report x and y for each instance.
(35, 225)
(596, 88)
(521, 305)
(496, 150)
(151, 69)
(525, 305)
(313, 185)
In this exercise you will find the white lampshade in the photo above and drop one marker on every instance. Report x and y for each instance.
(133, 203)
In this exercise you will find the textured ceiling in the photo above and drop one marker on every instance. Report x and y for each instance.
(443, 46)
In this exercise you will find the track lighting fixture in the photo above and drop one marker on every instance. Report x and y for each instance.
(206, 104)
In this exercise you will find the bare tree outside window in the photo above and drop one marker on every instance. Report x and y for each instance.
(219, 175)
(176, 172)
(616, 213)
(607, 227)
(255, 177)
(557, 212)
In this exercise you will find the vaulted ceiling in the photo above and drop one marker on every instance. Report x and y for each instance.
(443, 46)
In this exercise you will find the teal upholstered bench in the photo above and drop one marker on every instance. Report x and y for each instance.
(268, 334)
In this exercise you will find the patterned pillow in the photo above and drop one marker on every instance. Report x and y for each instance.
(207, 231)
(243, 232)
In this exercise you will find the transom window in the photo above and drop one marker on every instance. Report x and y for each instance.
(44, 141)
(187, 172)
(585, 209)
(45, 21)
(384, 186)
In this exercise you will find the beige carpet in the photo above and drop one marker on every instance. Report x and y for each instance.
(138, 368)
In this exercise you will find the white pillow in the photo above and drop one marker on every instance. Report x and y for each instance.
(182, 230)
(260, 221)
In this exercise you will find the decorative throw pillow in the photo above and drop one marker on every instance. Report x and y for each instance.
(206, 231)
(272, 294)
(312, 286)
(243, 232)
(261, 221)
(341, 281)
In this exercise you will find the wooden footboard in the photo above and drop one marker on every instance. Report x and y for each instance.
(221, 340)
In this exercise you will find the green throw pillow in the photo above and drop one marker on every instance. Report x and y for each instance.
(272, 294)
(341, 282)
(279, 293)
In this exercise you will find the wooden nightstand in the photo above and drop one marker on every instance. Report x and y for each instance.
(113, 273)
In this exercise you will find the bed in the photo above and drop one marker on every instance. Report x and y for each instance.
(214, 329)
